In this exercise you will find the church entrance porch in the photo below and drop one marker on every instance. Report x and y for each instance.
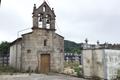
(45, 63)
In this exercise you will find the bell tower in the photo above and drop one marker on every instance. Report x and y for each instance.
(43, 17)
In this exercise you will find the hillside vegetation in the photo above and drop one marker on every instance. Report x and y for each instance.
(72, 47)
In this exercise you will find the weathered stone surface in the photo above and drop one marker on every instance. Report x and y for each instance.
(102, 63)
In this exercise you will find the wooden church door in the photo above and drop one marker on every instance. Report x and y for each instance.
(45, 63)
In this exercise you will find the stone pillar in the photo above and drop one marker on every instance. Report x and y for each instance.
(35, 22)
(52, 24)
(44, 21)
(35, 18)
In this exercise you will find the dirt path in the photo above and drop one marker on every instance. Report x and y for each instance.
(38, 77)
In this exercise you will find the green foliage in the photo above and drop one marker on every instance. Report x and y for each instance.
(118, 75)
(71, 47)
(78, 70)
(4, 47)
(70, 64)
(7, 69)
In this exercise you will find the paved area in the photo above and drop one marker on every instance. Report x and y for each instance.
(38, 77)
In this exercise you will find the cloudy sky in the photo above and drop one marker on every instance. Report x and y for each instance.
(76, 19)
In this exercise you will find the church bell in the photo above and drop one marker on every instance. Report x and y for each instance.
(40, 19)
(48, 21)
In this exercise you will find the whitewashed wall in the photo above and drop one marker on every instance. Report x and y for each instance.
(87, 63)
(103, 63)
(112, 58)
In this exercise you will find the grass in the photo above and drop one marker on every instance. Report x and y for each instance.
(71, 64)
(7, 70)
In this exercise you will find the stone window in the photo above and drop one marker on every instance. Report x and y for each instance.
(45, 42)
(44, 8)
(28, 51)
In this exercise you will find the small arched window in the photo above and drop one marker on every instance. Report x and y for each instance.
(28, 51)
(45, 42)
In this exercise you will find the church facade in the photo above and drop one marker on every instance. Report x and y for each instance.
(42, 49)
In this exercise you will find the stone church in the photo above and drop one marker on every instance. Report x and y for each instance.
(42, 49)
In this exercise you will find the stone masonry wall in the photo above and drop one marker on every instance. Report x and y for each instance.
(34, 43)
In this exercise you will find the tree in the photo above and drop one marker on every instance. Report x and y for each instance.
(4, 47)
(72, 47)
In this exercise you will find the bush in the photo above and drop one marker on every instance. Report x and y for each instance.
(78, 70)
(7, 69)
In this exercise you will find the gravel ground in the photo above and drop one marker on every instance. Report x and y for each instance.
(38, 77)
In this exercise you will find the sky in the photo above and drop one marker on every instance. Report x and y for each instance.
(76, 20)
